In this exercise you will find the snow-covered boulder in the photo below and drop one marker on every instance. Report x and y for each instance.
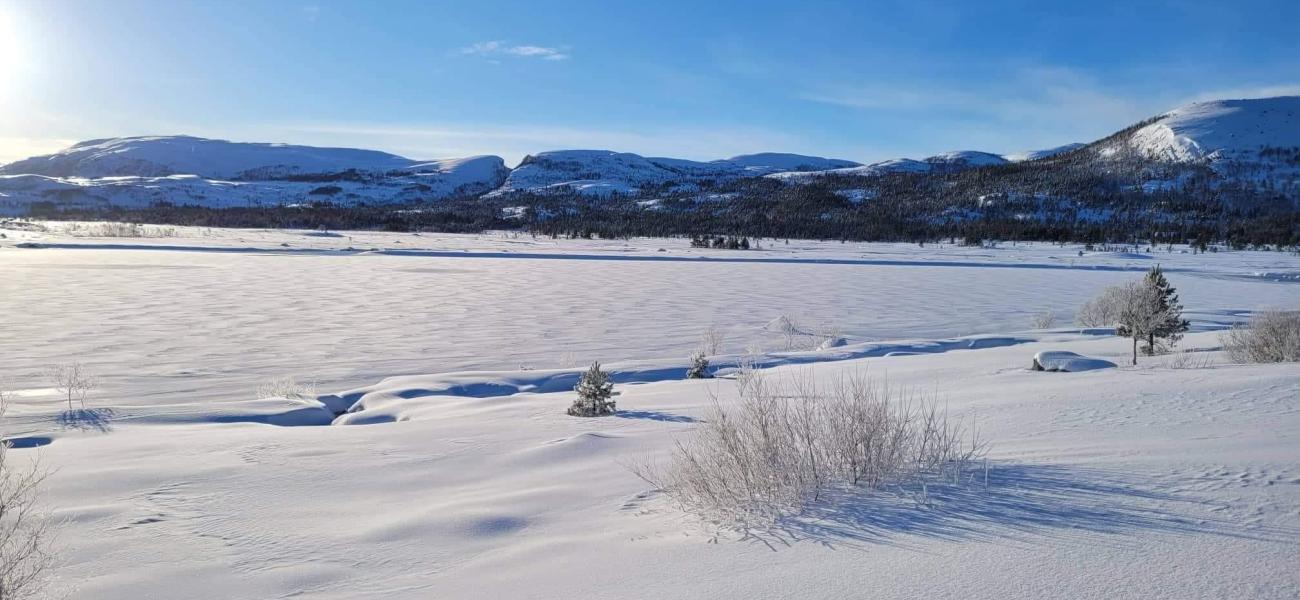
(1061, 360)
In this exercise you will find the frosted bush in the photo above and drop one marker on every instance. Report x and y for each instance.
(286, 387)
(1270, 336)
(781, 447)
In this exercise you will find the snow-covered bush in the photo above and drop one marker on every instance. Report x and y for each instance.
(1270, 336)
(699, 367)
(1102, 311)
(24, 531)
(595, 394)
(782, 447)
(115, 229)
(288, 388)
(73, 382)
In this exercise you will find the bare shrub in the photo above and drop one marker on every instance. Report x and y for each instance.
(782, 447)
(25, 556)
(1188, 359)
(287, 387)
(73, 382)
(1045, 319)
(1271, 336)
(712, 340)
(788, 326)
(113, 229)
(828, 335)
(797, 336)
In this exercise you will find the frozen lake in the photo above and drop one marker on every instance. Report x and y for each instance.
(219, 311)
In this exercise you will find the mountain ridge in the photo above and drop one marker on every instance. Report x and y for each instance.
(1252, 142)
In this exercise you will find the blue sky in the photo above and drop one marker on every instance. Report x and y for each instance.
(859, 80)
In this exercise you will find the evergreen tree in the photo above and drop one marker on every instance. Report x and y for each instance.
(699, 367)
(1170, 325)
(595, 394)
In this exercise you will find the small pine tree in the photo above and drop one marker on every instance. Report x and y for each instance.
(595, 394)
(699, 367)
(1170, 326)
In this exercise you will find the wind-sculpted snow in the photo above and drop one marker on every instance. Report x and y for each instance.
(1172, 479)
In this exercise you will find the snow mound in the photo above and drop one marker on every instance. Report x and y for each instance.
(1221, 129)
(1061, 360)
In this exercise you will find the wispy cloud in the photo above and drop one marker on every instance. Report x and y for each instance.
(497, 48)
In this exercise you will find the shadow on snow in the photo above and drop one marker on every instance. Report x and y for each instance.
(1019, 502)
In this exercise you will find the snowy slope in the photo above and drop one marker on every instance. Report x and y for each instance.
(138, 172)
(602, 172)
(156, 156)
(1223, 129)
(1255, 143)
(964, 159)
(790, 162)
(1037, 154)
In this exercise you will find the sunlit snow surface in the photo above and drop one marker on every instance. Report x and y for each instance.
(460, 476)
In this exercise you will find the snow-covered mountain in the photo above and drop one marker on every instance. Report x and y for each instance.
(141, 171)
(790, 162)
(1255, 142)
(159, 156)
(964, 159)
(603, 172)
(1221, 130)
(1037, 154)
(946, 162)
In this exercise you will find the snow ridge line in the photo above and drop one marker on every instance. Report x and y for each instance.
(375, 403)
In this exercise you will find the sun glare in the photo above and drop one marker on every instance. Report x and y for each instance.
(11, 50)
